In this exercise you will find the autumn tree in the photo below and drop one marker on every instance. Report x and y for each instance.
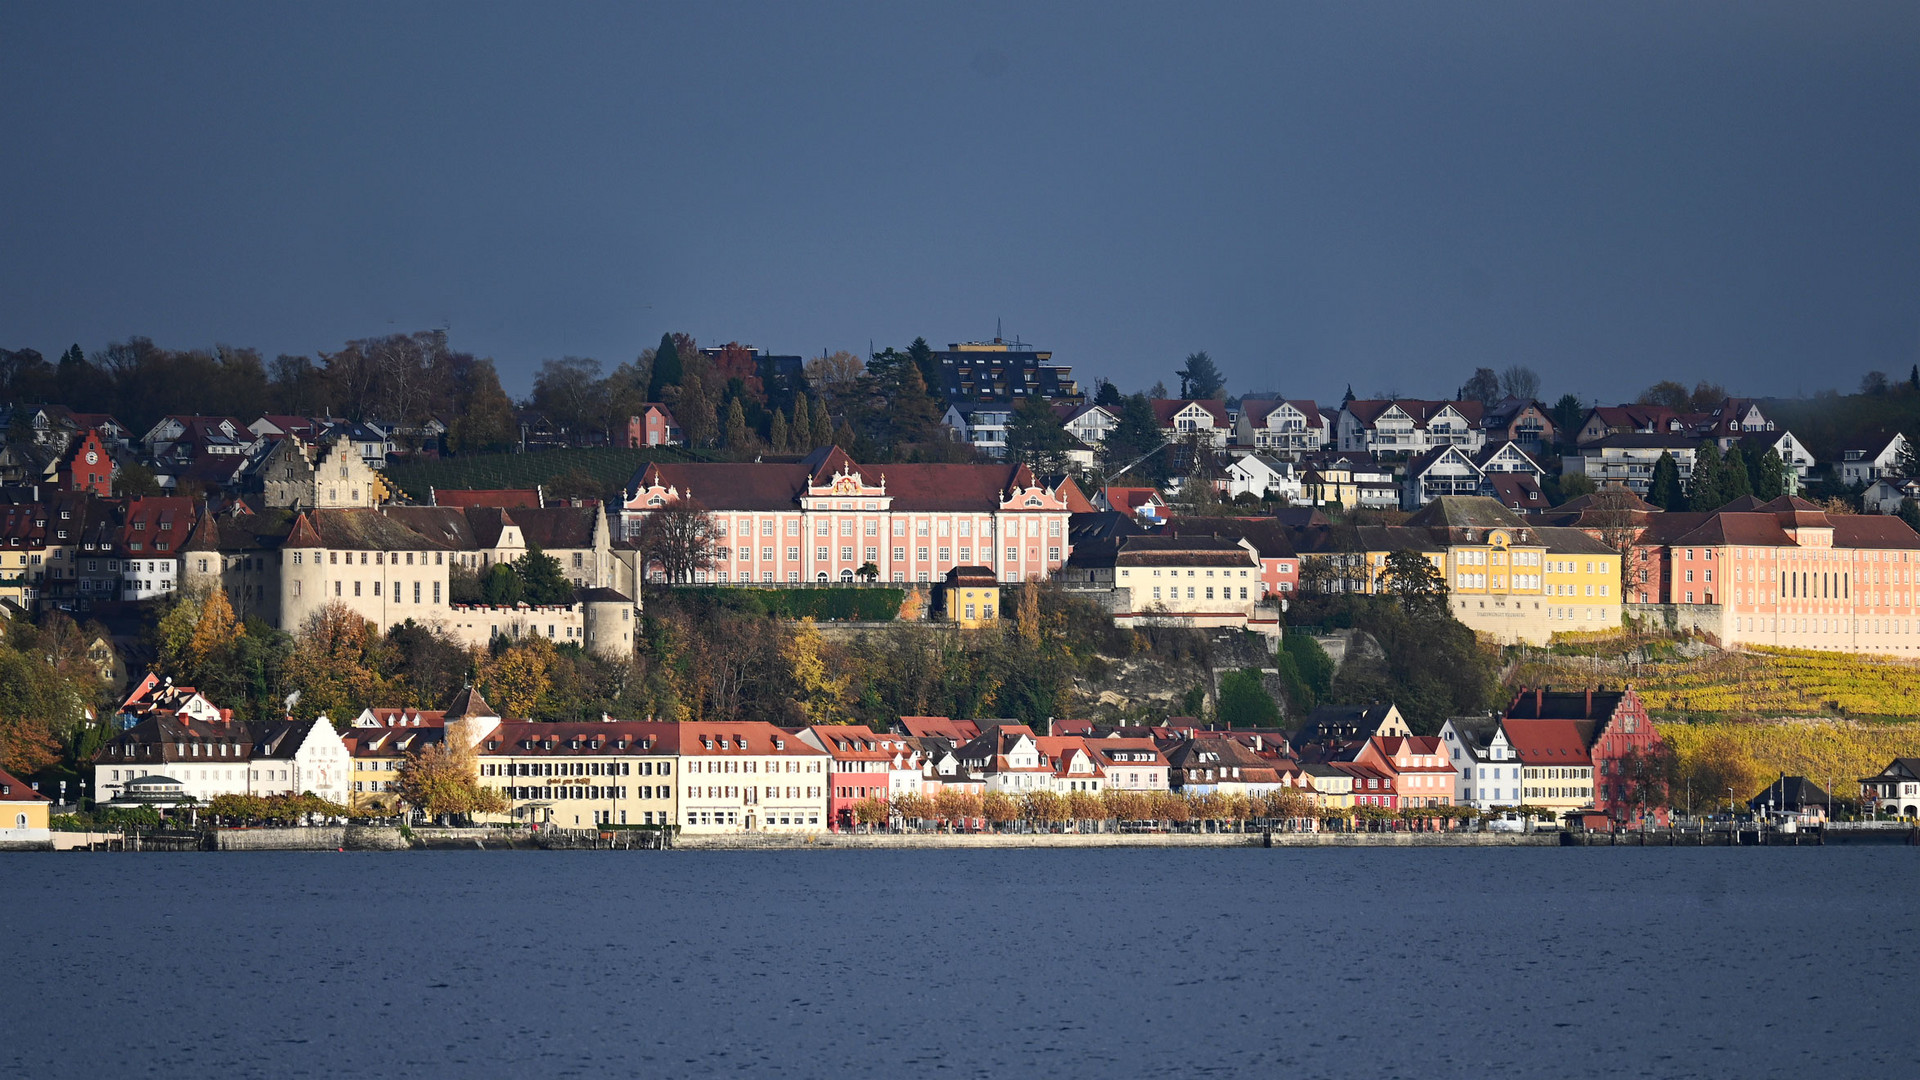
(516, 678)
(998, 807)
(335, 665)
(442, 781)
(679, 538)
(820, 689)
(215, 632)
(1520, 381)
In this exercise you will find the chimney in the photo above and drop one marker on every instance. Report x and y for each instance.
(1539, 700)
(1589, 712)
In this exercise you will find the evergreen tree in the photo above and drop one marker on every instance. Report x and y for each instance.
(1913, 377)
(923, 358)
(822, 424)
(1767, 476)
(843, 437)
(1036, 439)
(800, 435)
(500, 586)
(1734, 481)
(1910, 513)
(777, 432)
(1567, 414)
(667, 369)
(1136, 435)
(1108, 396)
(1201, 377)
(1705, 488)
(1663, 490)
(694, 409)
(541, 579)
(737, 438)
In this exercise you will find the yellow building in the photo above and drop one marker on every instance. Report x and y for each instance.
(1506, 578)
(24, 813)
(970, 596)
(577, 776)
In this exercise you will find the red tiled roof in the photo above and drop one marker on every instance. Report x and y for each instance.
(960, 731)
(504, 498)
(1548, 742)
(12, 790)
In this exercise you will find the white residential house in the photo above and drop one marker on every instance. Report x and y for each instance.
(1867, 458)
(1088, 423)
(982, 424)
(1264, 477)
(1445, 470)
(1409, 427)
(1630, 459)
(1488, 765)
(1181, 418)
(1799, 461)
(1885, 495)
(1280, 426)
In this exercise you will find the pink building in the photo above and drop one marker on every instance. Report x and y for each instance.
(823, 518)
(653, 427)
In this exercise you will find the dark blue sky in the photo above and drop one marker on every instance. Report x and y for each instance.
(1387, 195)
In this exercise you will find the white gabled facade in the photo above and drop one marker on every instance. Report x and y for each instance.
(1489, 774)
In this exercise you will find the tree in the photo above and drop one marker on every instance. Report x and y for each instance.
(1520, 381)
(1413, 578)
(1566, 415)
(800, 435)
(518, 677)
(1037, 439)
(215, 632)
(667, 369)
(738, 439)
(1201, 378)
(1875, 383)
(335, 665)
(1612, 512)
(1767, 476)
(442, 780)
(1663, 490)
(1910, 513)
(1666, 392)
(679, 537)
(1244, 702)
(693, 407)
(777, 432)
(821, 689)
(1734, 481)
(500, 586)
(483, 415)
(1483, 387)
(542, 581)
(1573, 485)
(1705, 396)
(1106, 394)
(1643, 779)
(571, 393)
(998, 807)
(1135, 437)
(822, 424)
(1706, 488)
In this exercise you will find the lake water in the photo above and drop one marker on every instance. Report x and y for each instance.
(1245, 962)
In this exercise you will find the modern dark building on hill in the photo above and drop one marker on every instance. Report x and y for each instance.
(1000, 370)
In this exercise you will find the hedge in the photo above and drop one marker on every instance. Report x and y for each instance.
(824, 605)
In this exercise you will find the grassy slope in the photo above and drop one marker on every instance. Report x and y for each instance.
(1747, 684)
(1840, 751)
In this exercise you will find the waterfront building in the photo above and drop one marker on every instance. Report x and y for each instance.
(582, 775)
(1895, 789)
(745, 776)
(25, 814)
(1617, 730)
(862, 765)
(1130, 764)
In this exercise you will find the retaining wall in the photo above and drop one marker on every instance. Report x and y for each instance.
(823, 841)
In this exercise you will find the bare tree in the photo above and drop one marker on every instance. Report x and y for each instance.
(1615, 513)
(679, 537)
(1520, 382)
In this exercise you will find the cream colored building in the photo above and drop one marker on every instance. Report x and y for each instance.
(749, 777)
(578, 776)
(1198, 581)
(297, 475)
